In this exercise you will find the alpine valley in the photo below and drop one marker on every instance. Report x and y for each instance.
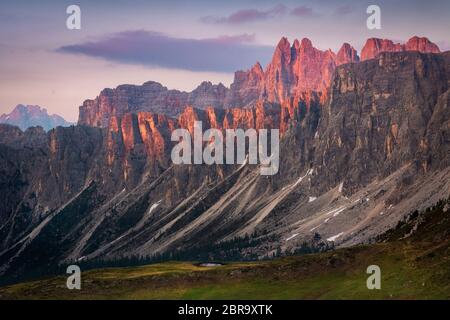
(364, 141)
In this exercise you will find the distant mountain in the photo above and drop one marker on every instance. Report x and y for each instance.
(25, 116)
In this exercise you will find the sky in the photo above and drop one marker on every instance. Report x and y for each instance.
(178, 43)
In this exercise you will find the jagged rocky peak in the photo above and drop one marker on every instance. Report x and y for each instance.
(374, 46)
(256, 73)
(347, 54)
(296, 45)
(211, 91)
(301, 70)
(283, 49)
(257, 68)
(421, 44)
(306, 44)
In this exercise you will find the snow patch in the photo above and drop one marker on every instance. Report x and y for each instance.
(335, 212)
(154, 206)
(311, 199)
(308, 173)
(338, 212)
(333, 238)
(292, 237)
(341, 186)
(298, 181)
(121, 237)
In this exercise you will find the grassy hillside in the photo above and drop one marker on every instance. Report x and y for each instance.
(413, 266)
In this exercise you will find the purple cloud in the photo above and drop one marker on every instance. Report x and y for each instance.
(343, 10)
(302, 11)
(247, 15)
(157, 49)
(252, 15)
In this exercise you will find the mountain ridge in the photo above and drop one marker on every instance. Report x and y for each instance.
(297, 73)
(350, 169)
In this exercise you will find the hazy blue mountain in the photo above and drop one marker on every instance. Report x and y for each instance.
(25, 116)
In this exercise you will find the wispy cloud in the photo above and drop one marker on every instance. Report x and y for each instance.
(344, 10)
(302, 11)
(253, 15)
(247, 15)
(158, 49)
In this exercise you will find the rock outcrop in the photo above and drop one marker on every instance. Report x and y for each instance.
(298, 76)
(375, 46)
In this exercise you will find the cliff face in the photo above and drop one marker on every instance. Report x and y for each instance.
(132, 147)
(380, 117)
(150, 97)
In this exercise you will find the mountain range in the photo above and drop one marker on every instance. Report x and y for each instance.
(25, 116)
(364, 141)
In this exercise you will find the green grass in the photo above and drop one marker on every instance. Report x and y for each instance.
(334, 275)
